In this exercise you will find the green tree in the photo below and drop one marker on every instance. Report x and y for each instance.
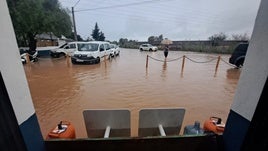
(97, 34)
(155, 39)
(32, 17)
(102, 37)
(79, 38)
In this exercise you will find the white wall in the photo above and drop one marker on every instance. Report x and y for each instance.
(12, 69)
(255, 70)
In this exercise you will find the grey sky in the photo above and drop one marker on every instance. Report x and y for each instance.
(175, 19)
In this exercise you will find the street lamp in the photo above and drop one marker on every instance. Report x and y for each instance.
(75, 33)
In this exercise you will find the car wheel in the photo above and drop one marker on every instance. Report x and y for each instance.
(73, 61)
(97, 60)
(35, 59)
(61, 55)
(141, 49)
(239, 63)
(150, 50)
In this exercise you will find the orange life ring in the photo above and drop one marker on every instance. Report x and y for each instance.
(214, 124)
(63, 130)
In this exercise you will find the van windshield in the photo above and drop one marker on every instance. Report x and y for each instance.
(88, 47)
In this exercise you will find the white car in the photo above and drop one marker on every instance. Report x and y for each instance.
(66, 49)
(148, 47)
(33, 56)
(91, 52)
(109, 51)
(115, 50)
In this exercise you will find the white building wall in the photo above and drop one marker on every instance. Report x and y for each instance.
(255, 70)
(12, 68)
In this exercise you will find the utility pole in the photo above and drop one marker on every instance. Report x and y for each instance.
(75, 33)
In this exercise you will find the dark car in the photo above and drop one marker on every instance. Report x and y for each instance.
(239, 54)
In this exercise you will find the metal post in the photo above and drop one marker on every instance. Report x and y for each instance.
(147, 61)
(75, 33)
(107, 132)
(161, 130)
(218, 62)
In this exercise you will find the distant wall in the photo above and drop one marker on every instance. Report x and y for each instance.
(226, 46)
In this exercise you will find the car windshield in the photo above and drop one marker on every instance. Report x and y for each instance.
(88, 47)
(63, 45)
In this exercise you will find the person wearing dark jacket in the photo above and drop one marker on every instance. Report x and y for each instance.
(166, 51)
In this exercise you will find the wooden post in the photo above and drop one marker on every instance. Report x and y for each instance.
(27, 58)
(183, 62)
(147, 61)
(218, 62)
(68, 59)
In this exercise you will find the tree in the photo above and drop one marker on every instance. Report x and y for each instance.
(242, 37)
(102, 37)
(123, 41)
(216, 38)
(32, 17)
(79, 38)
(154, 39)
(151, 39)
(96, 32)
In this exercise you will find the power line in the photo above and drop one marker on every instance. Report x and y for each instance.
(122, 5)
(76, 3)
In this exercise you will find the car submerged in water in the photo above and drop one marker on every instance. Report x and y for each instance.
(66, 49)
(115, 50)
(91, 52)
(238, 56)
(33, 56)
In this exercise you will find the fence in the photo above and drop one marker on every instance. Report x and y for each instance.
(192, 60)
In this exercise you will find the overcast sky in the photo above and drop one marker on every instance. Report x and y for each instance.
(174, 19)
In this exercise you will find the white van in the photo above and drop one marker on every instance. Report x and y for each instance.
(66, 49)
(91, 52)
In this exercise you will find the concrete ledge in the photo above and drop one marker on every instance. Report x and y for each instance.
(171, 143)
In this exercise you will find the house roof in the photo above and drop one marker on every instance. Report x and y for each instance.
(46, 36)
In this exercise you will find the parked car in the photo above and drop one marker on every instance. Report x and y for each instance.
(148, 47)
(109, 51)
(65, 49)
(91, 52)
(33, 56)
(115, 50)
(238, 56)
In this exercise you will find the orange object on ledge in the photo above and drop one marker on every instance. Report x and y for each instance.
(215, 125)
(63, 130)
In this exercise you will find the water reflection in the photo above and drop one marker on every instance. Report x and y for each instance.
(61, 90)
(233, 73)
(164, 72)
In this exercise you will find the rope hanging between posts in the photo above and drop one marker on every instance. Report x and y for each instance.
(165, 60)
(228, 63)
(200, 61)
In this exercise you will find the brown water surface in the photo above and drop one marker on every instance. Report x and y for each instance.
(61, 90)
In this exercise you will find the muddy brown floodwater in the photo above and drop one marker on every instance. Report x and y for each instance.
(61, 90)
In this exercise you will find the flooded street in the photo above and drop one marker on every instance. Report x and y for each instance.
(61, 90)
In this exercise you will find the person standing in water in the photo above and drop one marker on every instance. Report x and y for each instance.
(166, 51)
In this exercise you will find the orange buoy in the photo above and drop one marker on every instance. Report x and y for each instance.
(63, 130)
(215, 125)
